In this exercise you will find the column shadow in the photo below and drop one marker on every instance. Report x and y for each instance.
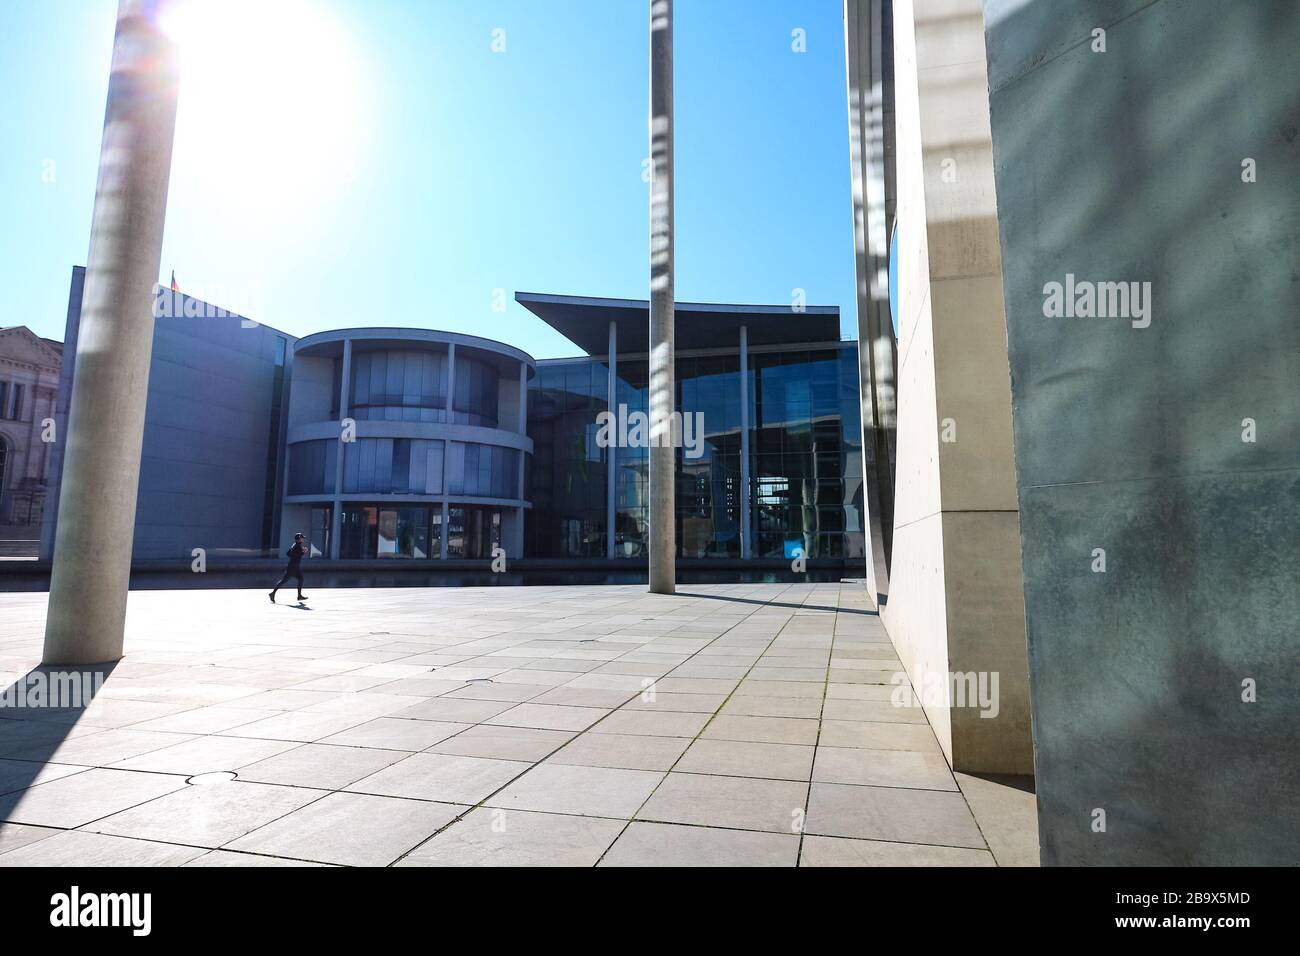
(38, 712)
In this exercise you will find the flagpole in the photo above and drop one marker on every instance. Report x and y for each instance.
(663, 379)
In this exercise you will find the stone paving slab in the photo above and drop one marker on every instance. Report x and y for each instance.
(728, 725)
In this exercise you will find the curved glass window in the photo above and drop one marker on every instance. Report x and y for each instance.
(311, 467)
(393, 466)
(407, 385)
(476, 393)
(482, 471)
(391, 531)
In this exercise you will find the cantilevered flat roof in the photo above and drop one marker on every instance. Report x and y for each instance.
(584, 321)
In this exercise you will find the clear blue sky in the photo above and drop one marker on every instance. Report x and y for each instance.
(452, 170)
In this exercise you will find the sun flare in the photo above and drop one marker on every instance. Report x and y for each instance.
(269, 114)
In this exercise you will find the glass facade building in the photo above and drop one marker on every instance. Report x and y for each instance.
(407, 443)
(774, 467)
(424, 445)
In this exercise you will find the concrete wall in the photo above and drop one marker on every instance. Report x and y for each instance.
(955, 601)
(1126, 165)
(311, 396)
(207, 433)
(54, 475)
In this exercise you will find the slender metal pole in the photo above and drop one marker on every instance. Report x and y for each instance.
(91, 571)
(746, 497)
(663, 385)
(611, 451)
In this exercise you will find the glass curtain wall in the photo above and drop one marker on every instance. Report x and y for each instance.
(312, 466)
(473, 531)
(632, 467)
(568, 472)
(477, 385)
(406, 385)
(391, 531)
(708, 474)
(398, 466)
(805, 458)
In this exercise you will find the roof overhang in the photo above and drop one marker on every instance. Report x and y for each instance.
(584, 321)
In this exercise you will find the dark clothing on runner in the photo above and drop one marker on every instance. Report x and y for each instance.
(294, 569)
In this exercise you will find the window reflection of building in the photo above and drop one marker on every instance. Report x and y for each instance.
(804, 448)
(807, 466)
(475, 531)
(568, 471)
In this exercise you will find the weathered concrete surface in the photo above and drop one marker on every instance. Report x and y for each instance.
(101, 464)
(1126, 165)
(955, 603)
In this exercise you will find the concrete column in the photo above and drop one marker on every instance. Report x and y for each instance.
(91, 572)
(746, 503)
(663, 384)
(523, 456)
(442, 545)
(611, 484)
(345, 406)
(451, 406)
(523, 403)
(956, 602)
(446, 445)
(451, 381)
(870, 128)
(1143, 669)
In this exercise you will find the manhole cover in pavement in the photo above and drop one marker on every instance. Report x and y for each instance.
(207, 779)
(479, 680)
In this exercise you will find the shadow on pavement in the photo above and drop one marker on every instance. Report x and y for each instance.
(38, 712)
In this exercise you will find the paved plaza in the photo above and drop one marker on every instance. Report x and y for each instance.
(727, 725)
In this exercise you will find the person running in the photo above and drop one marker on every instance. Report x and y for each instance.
(294, 570)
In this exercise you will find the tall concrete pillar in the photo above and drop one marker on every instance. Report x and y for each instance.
(446, 530)
(956, 602)
(611, 478)
(663, 384)
(871, 124)
(92, 548)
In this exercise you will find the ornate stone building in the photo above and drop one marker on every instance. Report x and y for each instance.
(29, 384)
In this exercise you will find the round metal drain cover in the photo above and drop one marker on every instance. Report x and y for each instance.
(479, 680)
(207, 779)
